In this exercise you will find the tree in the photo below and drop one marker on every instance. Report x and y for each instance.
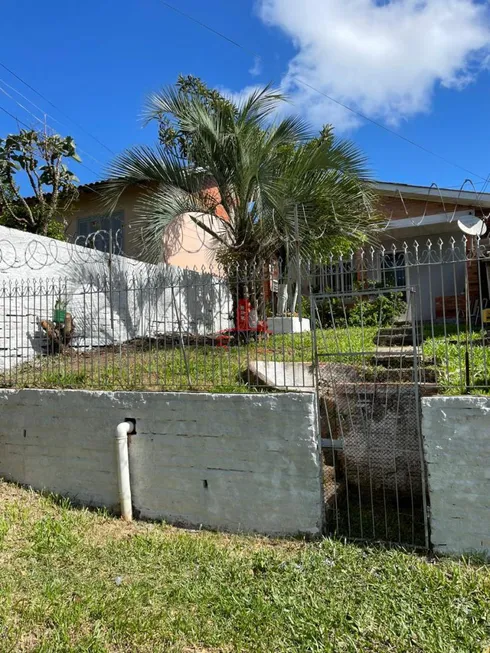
(172, 133)
(39, 157)
(278, 189)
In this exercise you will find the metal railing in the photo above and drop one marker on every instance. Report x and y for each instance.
(451, 285)
(126, 313)
(118, 324)
(371, 331)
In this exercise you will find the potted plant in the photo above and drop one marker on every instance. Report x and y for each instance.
(59, 312)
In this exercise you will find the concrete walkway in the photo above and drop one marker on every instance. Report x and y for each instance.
(282, 376)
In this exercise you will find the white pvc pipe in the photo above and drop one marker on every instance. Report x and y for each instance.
(122, 431)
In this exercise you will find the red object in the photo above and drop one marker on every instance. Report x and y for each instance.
(262, 327)
(244, 311)
(243, 314)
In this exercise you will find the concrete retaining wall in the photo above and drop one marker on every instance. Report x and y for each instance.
(233, 462)
(456, 432)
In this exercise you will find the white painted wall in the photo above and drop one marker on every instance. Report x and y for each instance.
(426, 273)
(258, 453)
(456, 434)
(111, 300)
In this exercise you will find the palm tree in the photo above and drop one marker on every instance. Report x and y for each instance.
(279, 190)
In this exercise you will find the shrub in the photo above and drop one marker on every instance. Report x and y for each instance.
(382, 310)
(369, 310)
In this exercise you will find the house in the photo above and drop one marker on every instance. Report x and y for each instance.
(421, 230)
(415, 216)
(423, 224)
(185, 244)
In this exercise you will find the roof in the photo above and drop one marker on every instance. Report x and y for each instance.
(408, 191)
(433, 194)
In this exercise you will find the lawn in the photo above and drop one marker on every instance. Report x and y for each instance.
(156, 365)
(75, 580)
(152, 365)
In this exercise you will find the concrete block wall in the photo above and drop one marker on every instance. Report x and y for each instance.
(456, 435)
(233, 462)
(112, 299)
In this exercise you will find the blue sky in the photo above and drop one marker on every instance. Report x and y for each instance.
(419, 68)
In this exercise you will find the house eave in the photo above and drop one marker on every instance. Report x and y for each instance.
(433, 194)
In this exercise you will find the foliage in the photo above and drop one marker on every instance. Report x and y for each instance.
(80, 580)
(176, 136)
(368, 311)
(380, 311)
(256, 186)
(40, 158)
(218, 369)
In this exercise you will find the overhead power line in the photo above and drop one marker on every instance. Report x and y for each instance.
(21, 122)
(34, 90)
(14, 117)
(316, 90)
(43, 113)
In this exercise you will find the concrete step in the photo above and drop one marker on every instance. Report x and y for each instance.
(394, 340)
(394, 359)
(281, 375)
(368, 389)
(397, 330)
(399, 375)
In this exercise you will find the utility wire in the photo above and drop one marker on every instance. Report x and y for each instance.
(43, 113)
(57, 108)
(316, 90)
(14, 117)
(21, 122)
(209, 28)
(42, 121)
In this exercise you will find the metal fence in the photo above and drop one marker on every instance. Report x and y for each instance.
(108, 322)
(444, 289)
(393, 325)
(372, 331)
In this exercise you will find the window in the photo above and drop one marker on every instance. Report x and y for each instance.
(99, 231)
(393, 270)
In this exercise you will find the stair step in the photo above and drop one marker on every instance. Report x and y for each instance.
(360, 389)
(394, 359)
(394, 340)
(395, 331)
(399, 375)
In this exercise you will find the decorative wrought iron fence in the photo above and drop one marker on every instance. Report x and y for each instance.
(110, 322)
(371, 331)
(393, 324)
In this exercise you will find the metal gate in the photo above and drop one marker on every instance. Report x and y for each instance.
(370, 375)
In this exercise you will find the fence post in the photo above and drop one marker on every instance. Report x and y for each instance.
(418, 417)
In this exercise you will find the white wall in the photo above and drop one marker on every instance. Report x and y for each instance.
(456, 434)
(258, 453)
(111, 300)
(426, 273)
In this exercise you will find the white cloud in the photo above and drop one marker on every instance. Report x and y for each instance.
(238, 96)
(382, 57)
(256, 69)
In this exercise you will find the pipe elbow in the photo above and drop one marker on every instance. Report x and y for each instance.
(123, 430)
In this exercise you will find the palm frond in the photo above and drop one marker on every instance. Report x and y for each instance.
(259, 105)
(157, 208)
(145, 165)
(276, 185)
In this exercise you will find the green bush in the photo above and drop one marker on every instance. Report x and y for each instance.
(369, 310)
(382, 310)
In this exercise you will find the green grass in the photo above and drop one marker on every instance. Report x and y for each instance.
(74, 580)
(446, 350)
(220, 369)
